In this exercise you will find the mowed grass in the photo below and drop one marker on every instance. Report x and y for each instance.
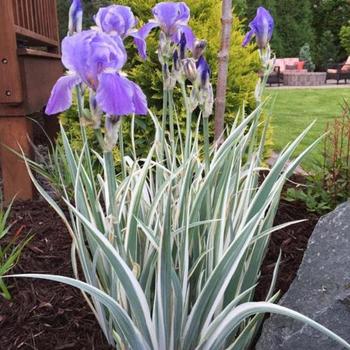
(292, 110)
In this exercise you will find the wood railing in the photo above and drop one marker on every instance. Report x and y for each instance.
(36, 22)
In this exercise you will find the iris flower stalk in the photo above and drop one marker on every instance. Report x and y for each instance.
(172, 18)
(95, 59)
(261, 27)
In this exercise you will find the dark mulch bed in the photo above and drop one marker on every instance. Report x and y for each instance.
(292, 241)
(44, 315)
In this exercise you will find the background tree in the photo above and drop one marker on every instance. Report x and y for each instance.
(329, 16)
(326, 50)
(345, 38)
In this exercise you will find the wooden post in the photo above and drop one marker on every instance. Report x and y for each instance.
(10, 82)
(220, 100)
(14, 133)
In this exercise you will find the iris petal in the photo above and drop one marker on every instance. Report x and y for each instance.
(139, 100)
(262, 26)
(117, 95)
(146, 29)
(115, 18)
(140, 38)
(141, 45)
(73, 49)
(61, 94)
(166, 13)
(190, 38)
(184, 13)
(248, 37)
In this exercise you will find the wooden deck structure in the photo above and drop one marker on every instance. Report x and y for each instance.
(29, 67)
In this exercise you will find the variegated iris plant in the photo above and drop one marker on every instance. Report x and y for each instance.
(171, 247)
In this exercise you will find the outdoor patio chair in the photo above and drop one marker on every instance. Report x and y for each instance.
(338, 71)
(276, 77)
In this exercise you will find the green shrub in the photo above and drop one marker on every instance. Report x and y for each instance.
(9, 251)
(305, 55)
(345, 38)
(326, 50)
(330, 16)
(242, 77)
(330, 185)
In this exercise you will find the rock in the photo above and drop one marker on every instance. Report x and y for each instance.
(273, 159)
(321, 290)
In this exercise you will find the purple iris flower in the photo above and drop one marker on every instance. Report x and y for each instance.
(96, 59)
(262, 27)
(172, 18)
(119, 20)
(75, 17)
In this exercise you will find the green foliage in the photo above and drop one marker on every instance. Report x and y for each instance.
(9, 251)
(330, 185)
(170, 251)
(326, 50)
(330, 15)
(305, 55)
(345, 38)
(316, 199)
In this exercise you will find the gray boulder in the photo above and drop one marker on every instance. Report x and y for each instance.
(320, 291)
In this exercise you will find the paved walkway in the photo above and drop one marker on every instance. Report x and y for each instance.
(331, 84)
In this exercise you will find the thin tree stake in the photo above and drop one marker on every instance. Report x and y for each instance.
(220, 101)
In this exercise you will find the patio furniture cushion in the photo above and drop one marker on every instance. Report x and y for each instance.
(291, 67)
(300, 65)
(345, 68)
(283, 62)
(332, 71)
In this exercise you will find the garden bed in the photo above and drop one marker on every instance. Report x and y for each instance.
(45, 315)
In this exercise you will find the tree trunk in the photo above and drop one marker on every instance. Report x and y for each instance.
(220, 101)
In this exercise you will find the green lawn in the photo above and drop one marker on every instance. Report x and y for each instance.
(294, 109)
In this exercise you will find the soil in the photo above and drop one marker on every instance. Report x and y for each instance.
(292, 241)
(51, 316)
(45, 315)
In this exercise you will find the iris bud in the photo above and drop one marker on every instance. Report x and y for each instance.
(198, 49)
(190, 69)
(176, 61)
(182, 46)
(75, 17)
(112, 125)
(96, 113)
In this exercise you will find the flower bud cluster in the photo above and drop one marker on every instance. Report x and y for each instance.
(193, 68)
